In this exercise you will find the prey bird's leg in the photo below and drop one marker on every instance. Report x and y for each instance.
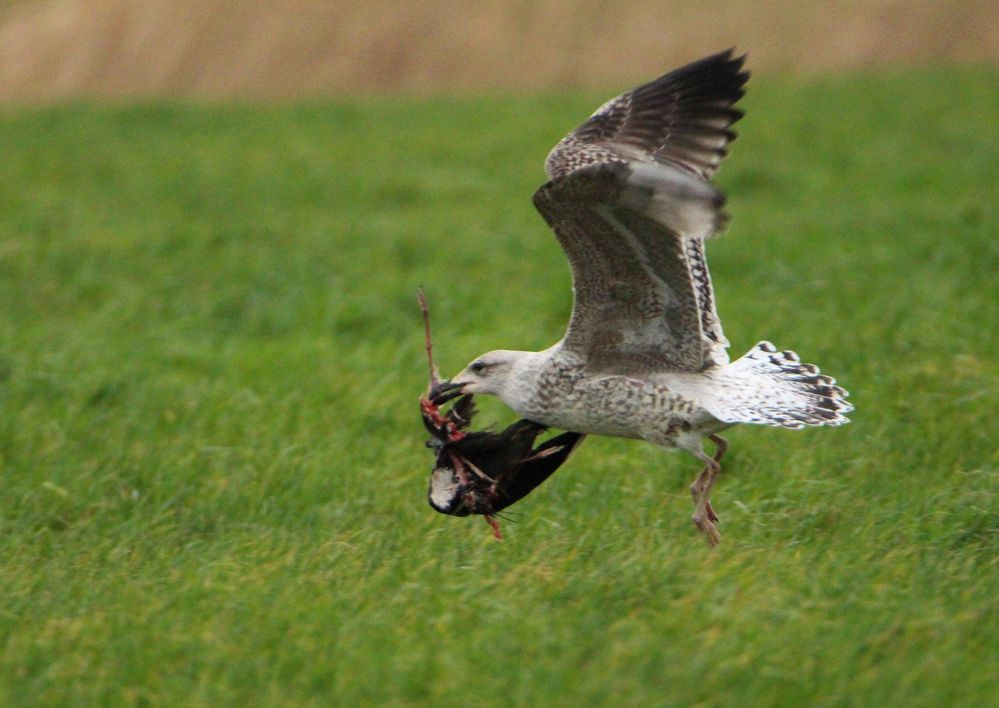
(425, 310)
(430, 409)
(704, 517)
(496, 529)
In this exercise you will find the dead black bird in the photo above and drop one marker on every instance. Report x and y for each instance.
(481, 472)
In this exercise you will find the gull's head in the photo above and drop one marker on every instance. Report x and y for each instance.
(492, 373)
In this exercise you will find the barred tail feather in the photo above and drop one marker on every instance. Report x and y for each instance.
(772, 387)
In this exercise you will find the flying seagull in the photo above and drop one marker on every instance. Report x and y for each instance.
(644, 356)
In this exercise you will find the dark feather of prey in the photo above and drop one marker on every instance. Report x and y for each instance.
(482, 472)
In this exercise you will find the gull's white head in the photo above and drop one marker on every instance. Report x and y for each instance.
(506, 374)
(494, 372)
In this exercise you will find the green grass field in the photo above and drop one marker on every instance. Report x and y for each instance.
(213, 471)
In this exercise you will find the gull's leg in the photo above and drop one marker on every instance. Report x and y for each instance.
(705, 481)
(704, 517)
(721, 446)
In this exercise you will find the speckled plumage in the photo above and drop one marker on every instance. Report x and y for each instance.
(644, 355)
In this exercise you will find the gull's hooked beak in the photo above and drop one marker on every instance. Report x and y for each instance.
(444, 391)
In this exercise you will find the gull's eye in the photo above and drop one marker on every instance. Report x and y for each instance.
(478, 367)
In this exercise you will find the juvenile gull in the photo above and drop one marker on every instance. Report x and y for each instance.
(644, 356)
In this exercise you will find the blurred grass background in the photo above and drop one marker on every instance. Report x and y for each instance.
(211, 457)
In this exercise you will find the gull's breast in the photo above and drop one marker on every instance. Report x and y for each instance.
(620, 406)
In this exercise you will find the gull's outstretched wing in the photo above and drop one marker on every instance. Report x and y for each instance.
(631, 207)
(625, 228)
(682, 119)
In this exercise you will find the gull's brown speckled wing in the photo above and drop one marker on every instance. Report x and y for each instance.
(682, 119)
(631, 207)
(623, 228)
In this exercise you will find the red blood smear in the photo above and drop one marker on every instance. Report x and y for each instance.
(434, 413)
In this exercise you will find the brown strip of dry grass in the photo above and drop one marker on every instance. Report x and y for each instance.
(56, 49)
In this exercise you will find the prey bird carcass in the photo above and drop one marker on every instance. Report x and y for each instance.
(482, 472)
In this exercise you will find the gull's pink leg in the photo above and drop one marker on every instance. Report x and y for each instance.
(721, 446)
(704, 515)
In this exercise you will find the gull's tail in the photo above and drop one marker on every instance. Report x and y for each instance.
(772, 387)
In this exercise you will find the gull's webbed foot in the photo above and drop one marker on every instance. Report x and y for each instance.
(707, 527)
